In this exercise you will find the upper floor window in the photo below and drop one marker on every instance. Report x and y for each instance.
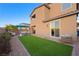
(55, 24)
(66, 6)
(34, 16)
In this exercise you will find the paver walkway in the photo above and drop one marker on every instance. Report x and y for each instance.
(17, 48)
(75, 49)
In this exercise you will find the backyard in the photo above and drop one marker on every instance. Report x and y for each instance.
(37, 46)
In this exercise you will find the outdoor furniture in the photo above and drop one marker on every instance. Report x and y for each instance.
(66, 39)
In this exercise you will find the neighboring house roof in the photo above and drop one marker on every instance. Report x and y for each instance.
(46, 5)
(23, 25)
(63, 15)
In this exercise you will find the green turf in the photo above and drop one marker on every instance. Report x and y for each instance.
(41, 47)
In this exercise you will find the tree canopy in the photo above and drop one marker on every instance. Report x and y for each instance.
(10, 27)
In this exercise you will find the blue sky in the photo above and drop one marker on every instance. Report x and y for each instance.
(16, 13)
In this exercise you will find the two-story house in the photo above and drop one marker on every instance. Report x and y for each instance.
(55, 20)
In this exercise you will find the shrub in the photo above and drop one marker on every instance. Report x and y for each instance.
(5, 47)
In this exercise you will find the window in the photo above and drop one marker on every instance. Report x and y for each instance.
(52, 32)
(55, 28)
(78, 17)
(55, 24)
(33, 30)
(66, 6)
(77, 6)
(34, 16)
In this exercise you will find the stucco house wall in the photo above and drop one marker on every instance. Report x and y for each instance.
(41, 28)
(67, 24)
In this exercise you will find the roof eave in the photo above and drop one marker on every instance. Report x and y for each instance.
(63, 15)
(39, 7)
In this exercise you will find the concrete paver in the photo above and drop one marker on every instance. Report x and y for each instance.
(75, 51)
(17, 48)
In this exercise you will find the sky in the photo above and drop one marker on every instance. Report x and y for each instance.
(16, 13)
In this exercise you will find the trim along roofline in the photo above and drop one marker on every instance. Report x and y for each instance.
(45, 4)
(63, 15)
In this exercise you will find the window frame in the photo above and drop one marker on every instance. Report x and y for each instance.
(33, 16)
(52, 27)
(66, 8)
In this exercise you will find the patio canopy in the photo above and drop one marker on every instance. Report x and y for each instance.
(21, 26)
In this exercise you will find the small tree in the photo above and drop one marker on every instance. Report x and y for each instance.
(11, 28)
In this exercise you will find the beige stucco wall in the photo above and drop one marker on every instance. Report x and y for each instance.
(56, 9)
(67, 24)
(41, 27)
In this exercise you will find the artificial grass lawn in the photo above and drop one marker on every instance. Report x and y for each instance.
(41, 47)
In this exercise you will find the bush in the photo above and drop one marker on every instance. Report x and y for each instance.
(5, 47)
